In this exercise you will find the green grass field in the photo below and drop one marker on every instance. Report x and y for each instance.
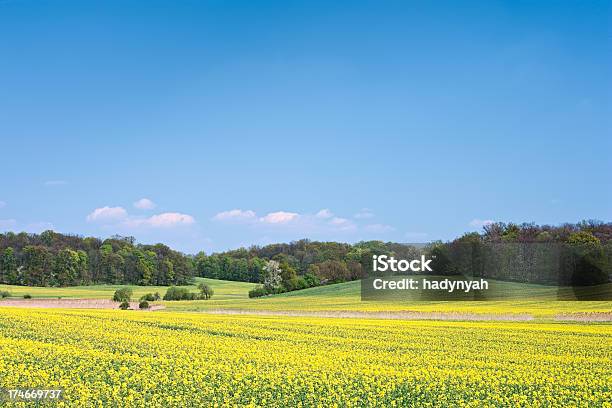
(535, 299)
(347, 296)
(224, 290)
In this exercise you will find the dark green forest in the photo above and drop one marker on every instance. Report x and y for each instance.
(54, 259)
(568, 255)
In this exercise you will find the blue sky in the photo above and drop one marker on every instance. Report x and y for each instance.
(256, 122)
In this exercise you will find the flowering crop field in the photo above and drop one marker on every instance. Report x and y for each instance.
(174, 359)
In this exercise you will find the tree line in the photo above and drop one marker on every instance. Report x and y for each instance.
(583, 253)
(325, 262)
(54, 259)
(567, 255)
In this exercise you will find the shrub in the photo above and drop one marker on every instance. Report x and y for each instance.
(5, 293)
(176, 293)
(301, 283)
(206, 291)
(156, 296)
(122, 295)
(124, 305)
(27, 296)
(143, 304)
(149, 297)
(311, 278)
(258, 292)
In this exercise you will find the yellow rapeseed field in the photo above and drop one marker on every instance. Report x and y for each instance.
(170, 359)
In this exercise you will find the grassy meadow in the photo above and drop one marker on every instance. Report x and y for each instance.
(534, 300)
(223, 290)
(530, 299)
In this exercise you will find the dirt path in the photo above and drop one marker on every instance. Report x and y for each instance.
(346, 314)
(399, 315)
(71, 304)
(414, 315)
(585, 317)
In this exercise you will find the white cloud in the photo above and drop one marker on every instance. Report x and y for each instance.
(324, 213)
(364, 213)
(51, 183)
(235, 215)
(2, 204)
(322, 222)
(169, 219)
(118, 220)
(105, 214)
(7, 224)
(144, 204)
(379, 228)
(477, 223)
(279, 217)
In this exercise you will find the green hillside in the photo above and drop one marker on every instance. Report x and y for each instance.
(223, 290)
(537, 300)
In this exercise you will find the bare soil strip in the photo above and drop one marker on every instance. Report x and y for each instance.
(401, 315)
(414, 315)
(585, 317)
(71, 304)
